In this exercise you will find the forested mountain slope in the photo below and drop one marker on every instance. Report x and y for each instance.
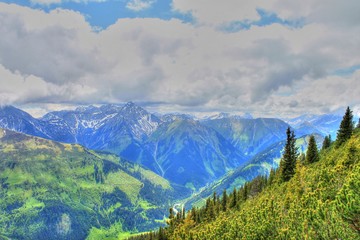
(320, 201)
(51, 190)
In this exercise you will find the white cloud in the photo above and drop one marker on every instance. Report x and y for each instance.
(45, 2)
(20, 89)
(333, 12)
(16, 88)
(323, 95)
(264, 69)
(139, 5)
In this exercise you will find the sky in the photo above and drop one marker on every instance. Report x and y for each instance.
(265, 57)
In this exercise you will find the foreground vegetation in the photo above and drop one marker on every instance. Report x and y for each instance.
(318, 198)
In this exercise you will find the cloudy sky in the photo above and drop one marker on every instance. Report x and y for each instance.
(266, 57)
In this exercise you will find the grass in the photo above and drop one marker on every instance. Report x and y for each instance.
(126, 183)
(154, 178)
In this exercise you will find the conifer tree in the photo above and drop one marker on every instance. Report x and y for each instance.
(312, 154)
(183, 212)
(233, 199)
(358, 125)
(271, 176)
(327, 142)
(224, 201)
(193, 214)
(171, 217)
(217, 205)
(245, 192)
(346, 128)
(288, 161)
(161, 234)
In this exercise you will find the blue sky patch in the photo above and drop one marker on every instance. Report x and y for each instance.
(104, 14)
(266, 18)
(347, 71)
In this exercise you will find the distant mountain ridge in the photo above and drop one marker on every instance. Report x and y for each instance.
(326, 124)
(249, 136)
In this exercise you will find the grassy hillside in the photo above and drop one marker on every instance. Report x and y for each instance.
(321, 201)
(260, 164)
(50, 190)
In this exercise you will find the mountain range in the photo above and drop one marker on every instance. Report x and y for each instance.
(326, 124)
(186, 151)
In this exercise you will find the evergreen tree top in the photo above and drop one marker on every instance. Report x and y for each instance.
(312, 154)
(346, 127)
(289, 157)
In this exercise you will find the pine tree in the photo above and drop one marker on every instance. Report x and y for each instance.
(327, 142)
(271, 176)
(171, 217)
(346, 128)
(288, 161)
(312, 154)
(161, 234)
(233, 199)
(358, 125)
(245, 192)
(193, 214)
(224, 201)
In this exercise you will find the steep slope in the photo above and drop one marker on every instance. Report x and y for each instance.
(260, 164)
(321, 201)
(17, 120)
(250, 136)
(191, 154)
(50, 190)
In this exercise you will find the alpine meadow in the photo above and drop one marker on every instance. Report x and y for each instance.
(179, 120)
